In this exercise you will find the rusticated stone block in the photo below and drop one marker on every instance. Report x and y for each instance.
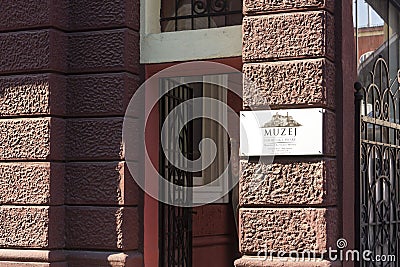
(103, 94)
(69, 15)
(32, 139)
(290, 35)
(102, 183)
(32, 227)
(247, 261)
(111, 50)
(31, 183)
(295, 229)
(289, 183)
(102, 228)
(111, 259)
(32, 51)
(299, 82)
(262, 6)
(94, 139)
(32, 95)
(22, 14)
(87, 14)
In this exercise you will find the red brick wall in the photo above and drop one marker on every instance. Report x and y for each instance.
(370, 39)
(67, 71)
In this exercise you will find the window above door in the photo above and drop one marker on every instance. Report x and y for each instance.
(180, 15)
(185, 30)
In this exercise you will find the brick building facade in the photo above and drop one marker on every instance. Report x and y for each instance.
(67, 72)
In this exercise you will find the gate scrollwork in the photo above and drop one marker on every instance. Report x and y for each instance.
(378, 168)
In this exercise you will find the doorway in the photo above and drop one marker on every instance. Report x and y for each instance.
(210, 227)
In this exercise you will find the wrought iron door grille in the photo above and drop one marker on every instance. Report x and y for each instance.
(175, 227)
(378, 168)
(178, 15)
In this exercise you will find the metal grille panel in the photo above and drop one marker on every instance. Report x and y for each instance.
(178, 15)
(378, 168)
(175, 232)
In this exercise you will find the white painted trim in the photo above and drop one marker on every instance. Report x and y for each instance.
(150, 16)
(191, 45)
(157, 47)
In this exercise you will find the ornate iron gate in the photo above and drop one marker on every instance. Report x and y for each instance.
(378, 169)
(175, 223)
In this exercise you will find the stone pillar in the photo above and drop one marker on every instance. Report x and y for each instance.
(68, 70)
(292, 53)
(32, 136)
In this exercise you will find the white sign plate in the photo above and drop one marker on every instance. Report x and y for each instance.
(285, 132)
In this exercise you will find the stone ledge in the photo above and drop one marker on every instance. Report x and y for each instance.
(247, 261)
(288, 36)
(288, 229)
(264, 7)
(112, 259)
(33, 264)
(299, 182)
(30, 255)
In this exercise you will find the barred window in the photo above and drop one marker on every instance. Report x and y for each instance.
(180, 15)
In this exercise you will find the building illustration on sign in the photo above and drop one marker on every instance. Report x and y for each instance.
(279, 120)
